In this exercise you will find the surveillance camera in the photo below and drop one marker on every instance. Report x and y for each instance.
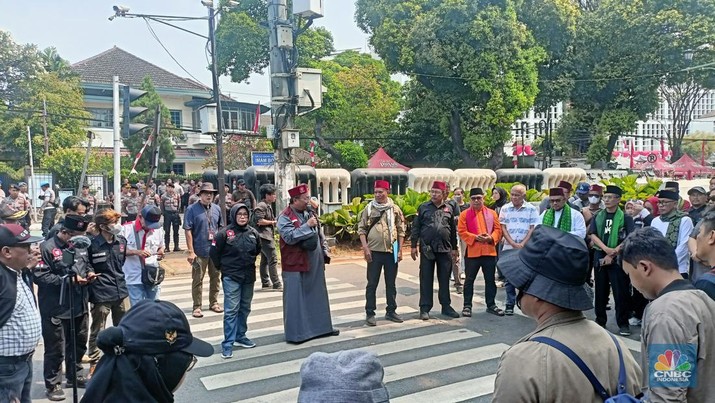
(207, 3)
(120, 10)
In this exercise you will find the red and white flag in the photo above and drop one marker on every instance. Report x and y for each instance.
(258, 118)
(139, 154)
(312, 153)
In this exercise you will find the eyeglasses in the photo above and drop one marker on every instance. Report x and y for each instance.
(557, 200)
(609, 197)
(663, 202)
(477, 198)
(712, 199)
(194, 360)
(242, 214)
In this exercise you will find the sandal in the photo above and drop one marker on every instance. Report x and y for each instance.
(494, 310)
(216, 308)
(197, 313)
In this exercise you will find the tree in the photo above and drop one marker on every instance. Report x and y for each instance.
(361, 104)
(242, 41)
(237, 152)
(474, 54)
(598, 150)
(66, 164)
(694, 147)
(19, 64)
(54, 63)
(352, 155)
(135, 143)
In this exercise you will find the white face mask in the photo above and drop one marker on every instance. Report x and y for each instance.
(594, 199)
(458, 198)
(115, 229)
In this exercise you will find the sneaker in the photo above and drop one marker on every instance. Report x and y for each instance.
(424, 315)
(245, 343)
(55, 393)
(467, 312)
(278, 286)
(393, 317)
(460, 289)
(227, 353)
(81, 382)
(635, 322)
(370, 320)
(509, 310)
(177, 249)
(624, 331)
(450, 312)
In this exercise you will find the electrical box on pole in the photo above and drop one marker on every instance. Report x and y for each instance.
(207, 117)
(131, 112)
(308, 8)
(290, 138)
(285, 36)
(309, 88)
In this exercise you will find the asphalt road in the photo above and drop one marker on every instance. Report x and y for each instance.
(443, 359)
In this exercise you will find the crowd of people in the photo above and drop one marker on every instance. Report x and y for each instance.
(555, 261)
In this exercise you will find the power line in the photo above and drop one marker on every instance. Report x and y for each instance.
(156, 37)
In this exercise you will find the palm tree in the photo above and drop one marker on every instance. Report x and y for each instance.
(54, 63)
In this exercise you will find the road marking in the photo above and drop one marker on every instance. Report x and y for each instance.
(351, 334)
(476, 299)
(234, 378)
(412, 369)
(454, 392)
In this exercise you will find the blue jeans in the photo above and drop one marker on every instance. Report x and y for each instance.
(237, 299)
(138, 292)
(16, 378)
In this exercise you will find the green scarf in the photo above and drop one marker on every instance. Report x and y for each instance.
(564, 223)
(618, 223)
(674, 219)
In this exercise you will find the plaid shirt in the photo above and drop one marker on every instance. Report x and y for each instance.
(21, 333)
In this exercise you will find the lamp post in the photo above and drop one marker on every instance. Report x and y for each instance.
(545, 127)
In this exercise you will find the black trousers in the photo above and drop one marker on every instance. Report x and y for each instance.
(471, 268)
(48, 220)
(443, 261)
(57, 338)
(638, 303)
(618, 280)
(171, 221)
(381, 260)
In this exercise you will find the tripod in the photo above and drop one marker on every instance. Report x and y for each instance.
(69, 279)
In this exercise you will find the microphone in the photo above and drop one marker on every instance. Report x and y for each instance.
(79, 242)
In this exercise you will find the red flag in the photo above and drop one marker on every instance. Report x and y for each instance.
(258, 118)
(632, 164)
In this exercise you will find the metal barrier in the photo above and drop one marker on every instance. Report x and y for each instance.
(474, 178)
(362, 181)
(334, 188)
(420, 179)
(529, 177)
(552, 176)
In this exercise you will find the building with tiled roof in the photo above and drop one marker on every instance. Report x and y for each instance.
(182, 96)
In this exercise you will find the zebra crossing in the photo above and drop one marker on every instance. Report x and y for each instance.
(423, 360)
(450, 360)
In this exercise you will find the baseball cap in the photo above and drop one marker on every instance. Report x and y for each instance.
(151, 215)
(13, 235)
(698, 189)
(583, 188)
(160, 327)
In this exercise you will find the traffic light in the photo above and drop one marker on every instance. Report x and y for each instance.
(131, 112)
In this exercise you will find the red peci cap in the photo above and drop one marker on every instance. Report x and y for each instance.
(597, 188)
(298, 190)
(439, 185)
(556, 192)
(382, 184)
(566, 185)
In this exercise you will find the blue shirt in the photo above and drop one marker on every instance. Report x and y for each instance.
(196, 220)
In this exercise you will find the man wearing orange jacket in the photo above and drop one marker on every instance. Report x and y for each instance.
(479, 228)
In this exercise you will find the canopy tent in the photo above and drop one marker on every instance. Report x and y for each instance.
(381, 160)
(686, 166)
(659, 167)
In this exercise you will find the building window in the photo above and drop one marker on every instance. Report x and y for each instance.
(178, 169)
(175, 117)
(101, 117)
(248, 118)
(230, 120)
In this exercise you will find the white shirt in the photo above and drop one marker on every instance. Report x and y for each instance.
(518, 221)
(578, 224)
(681, 251)
(132, 264)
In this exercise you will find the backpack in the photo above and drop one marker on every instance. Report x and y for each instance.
(621, 397)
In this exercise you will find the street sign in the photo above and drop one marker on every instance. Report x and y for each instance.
(261, 159)
(652, 158)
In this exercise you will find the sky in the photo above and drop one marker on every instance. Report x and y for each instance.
(80, 29)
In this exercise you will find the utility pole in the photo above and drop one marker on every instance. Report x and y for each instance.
(282, 107)
(219, 117)
(44, 126)
(117, 145)
(83, 177)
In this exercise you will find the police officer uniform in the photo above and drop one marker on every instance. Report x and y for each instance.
(53, 294)
(130, 206)
(170, 207)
